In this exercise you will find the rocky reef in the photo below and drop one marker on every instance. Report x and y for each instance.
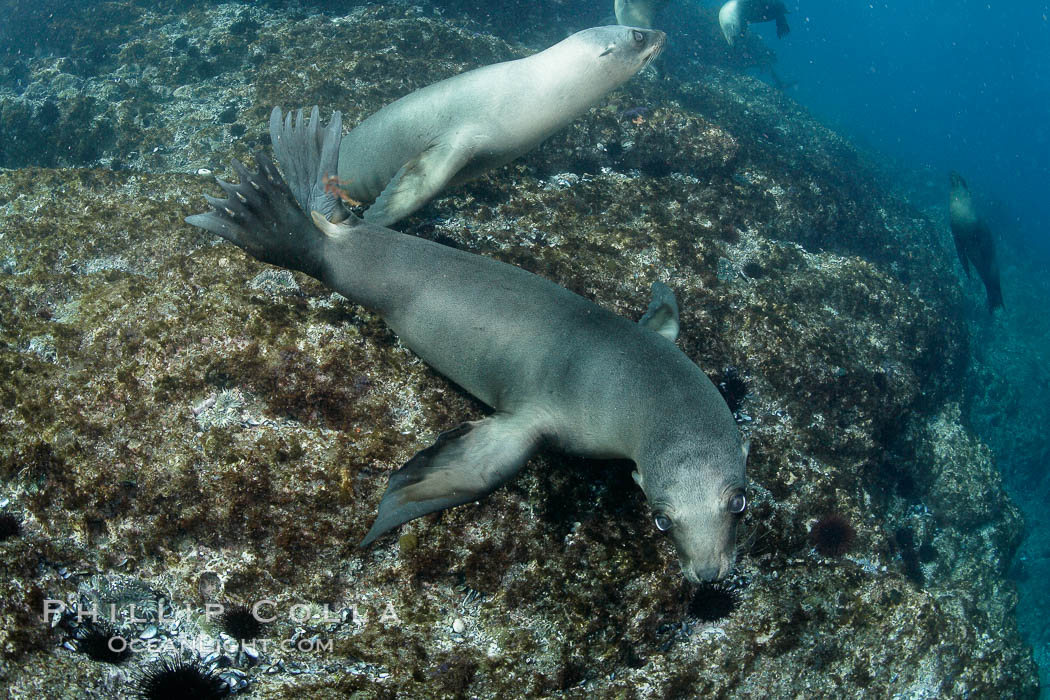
(180, 422)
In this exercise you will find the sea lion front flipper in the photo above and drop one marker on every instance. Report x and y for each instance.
(662, 314)
(418, 180)
(463, 465)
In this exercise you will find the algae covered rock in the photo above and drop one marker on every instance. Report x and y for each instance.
(178, 421)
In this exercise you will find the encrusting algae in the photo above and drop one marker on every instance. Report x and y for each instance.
(119, 469)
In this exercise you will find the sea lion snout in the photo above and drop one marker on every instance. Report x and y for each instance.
(655, 41)
(710, 555)
(709, 571)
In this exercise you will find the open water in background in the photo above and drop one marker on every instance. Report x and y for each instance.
(931, 87)
(962, 85)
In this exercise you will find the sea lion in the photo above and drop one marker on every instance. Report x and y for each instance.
(637, 13)
(735, 15)
(454, 130)
(973, 240)
(556, 369)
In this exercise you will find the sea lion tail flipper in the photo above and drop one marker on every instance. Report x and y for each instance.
(309, 156)
(782, 24)
(417, 182)
(261, 215)
(662, 314)
(463, 465)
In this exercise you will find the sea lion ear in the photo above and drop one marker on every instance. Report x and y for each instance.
(662, 314)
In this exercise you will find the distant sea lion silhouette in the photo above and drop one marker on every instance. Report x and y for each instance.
(973, 240)
(637, 13)
(556, 369)
(735, 15)
(454, 130)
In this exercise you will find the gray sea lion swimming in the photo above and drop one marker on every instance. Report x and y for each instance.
(556, 369)
(735, 15)
(973, 240)
(454, 130)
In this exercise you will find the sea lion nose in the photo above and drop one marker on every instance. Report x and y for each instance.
(701, 571)
(698, 573)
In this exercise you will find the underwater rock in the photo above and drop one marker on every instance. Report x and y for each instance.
(790, 263)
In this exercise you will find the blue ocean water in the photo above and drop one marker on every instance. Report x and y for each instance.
(961, 85)
(934, 87)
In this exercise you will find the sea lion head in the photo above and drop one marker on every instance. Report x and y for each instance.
(698, 497)
(960, 203)
(623, 50)
(731, 22)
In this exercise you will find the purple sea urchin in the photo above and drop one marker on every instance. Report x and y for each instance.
(832, 535)
(173, 679)
(239, 622)
(732, 387)
(10, 526)
(712, 602)
(101, 643)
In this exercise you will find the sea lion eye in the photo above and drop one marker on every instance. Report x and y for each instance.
(663, 523)
(638, 36)
(737, 503)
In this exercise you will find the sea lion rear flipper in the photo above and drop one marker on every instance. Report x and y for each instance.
(662, 314)
(308, 155)
(782, 24)
(463, 465)
(260, 214)
(417, 182)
